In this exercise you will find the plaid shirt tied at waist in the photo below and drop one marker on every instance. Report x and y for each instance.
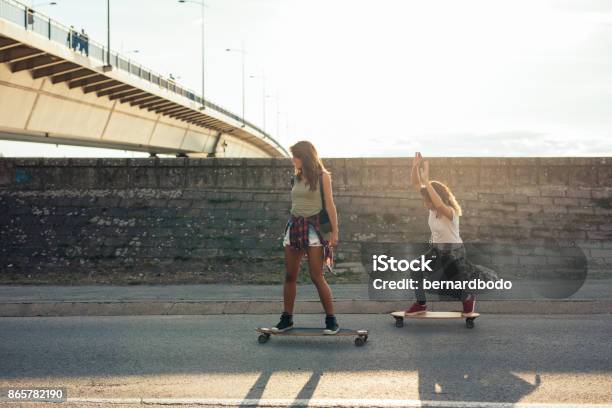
(298, 236)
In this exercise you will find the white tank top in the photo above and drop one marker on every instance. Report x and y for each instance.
(443, 230)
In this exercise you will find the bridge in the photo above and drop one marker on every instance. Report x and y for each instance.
(56, 86)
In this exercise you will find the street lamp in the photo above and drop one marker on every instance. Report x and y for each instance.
(277, 114)
(263, 93)
(276, 105)
(242, 53)
(48, 3)
(108, 66)
(286, 125)
(31, 10)
(203, 47)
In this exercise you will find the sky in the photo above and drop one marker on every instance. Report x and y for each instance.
(382, 78)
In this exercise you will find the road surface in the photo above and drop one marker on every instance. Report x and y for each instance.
(217, 360)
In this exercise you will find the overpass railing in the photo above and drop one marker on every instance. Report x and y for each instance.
(31, 20)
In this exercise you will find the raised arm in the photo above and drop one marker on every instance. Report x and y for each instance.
(415, 179)
(437, 202)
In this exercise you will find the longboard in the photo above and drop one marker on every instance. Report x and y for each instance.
(360, 339)
(469, 317)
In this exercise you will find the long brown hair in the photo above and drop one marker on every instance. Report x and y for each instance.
(312, 166)
(445, 194)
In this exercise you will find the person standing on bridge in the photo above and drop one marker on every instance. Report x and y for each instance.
(84, 43)
(312, 230)
(73, 38)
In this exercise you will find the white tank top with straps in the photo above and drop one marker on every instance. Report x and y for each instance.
(443, 230)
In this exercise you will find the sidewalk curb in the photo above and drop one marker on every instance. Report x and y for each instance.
(216, 307)
(316, 402)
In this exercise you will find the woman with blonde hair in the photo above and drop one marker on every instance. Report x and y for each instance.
(447, 250)
(312, 230)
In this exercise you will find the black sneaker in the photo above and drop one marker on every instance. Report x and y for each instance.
(331, 325)
(286, 323)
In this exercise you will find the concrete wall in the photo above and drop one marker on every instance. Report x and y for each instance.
(178, 214)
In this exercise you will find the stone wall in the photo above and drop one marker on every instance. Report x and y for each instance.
(183, 214)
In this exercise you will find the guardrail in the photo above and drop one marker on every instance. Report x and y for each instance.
(31, 20)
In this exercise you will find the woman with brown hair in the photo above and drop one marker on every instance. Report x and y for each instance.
(447, 250)
(312, 230)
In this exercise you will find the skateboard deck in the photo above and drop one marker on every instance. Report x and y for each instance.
(361, 336)
(469, 317)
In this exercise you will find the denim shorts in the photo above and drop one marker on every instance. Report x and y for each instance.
(313, 238)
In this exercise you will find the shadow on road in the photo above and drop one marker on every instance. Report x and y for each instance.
(501, 359)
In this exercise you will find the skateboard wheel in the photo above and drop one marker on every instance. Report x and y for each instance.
(359, 341)
(263, 338)
(399, 322)
(469, 323)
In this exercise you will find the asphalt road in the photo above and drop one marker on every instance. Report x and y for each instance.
(504, 359)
